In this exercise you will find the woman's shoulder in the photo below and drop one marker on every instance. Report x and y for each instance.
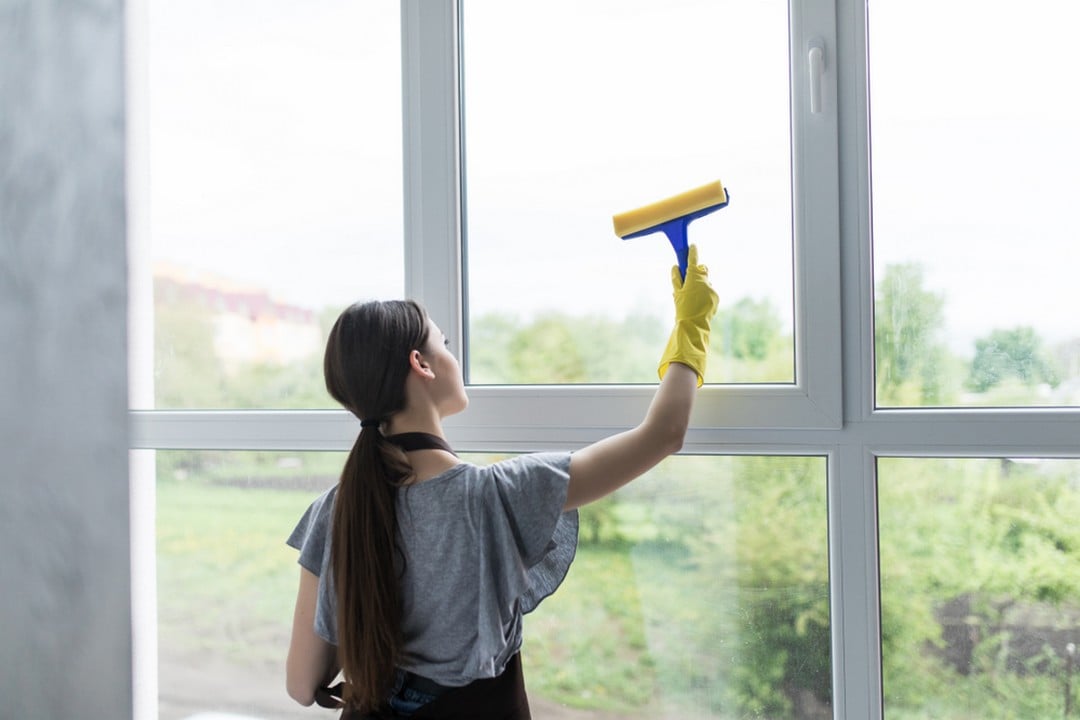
(324, 502)
(514, 468)
(310, 532)
(530, 465)
(319, 511)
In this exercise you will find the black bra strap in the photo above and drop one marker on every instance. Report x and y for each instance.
(419, 441)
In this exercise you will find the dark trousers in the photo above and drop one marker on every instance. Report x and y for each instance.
(498, 698)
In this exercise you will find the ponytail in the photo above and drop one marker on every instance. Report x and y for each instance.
(365, 367)
(366, 581)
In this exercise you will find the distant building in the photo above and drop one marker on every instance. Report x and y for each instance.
(249, 325)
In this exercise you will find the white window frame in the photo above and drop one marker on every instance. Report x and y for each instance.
(829, 411)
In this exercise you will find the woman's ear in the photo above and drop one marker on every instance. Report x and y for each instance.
(418, 364)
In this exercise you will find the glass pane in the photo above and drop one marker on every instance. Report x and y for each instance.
(577, 111)
(980, 583)
(226, 580)
(699, 591)
(975, 156)
(274, 200)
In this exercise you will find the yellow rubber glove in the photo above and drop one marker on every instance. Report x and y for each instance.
(695, 305)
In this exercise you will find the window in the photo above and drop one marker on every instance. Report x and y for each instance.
(624, 114)
(269, 137)
(699, 590)
(715, 564)
(879, 394)
(974, 168)
(979, 568)
(226, 581)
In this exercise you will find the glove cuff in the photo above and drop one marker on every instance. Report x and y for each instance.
(687, 345)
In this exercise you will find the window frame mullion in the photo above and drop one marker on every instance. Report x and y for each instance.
(431, 140)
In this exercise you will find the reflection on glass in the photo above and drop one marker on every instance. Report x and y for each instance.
(980, 582)
(974, 184)
(274, 166)
(603, 107)
(699, 591)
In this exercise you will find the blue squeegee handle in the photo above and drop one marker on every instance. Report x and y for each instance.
(676, 235)
(675, 230)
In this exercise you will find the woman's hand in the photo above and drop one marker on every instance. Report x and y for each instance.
(695, 305)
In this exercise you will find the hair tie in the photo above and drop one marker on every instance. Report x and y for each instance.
(370, 422)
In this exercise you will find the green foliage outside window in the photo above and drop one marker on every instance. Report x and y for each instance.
(989, 550)
(914, 366)
(909, 350)
(1016, 354)
(707, 593)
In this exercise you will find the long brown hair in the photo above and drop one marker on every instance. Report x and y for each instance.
(366, 364)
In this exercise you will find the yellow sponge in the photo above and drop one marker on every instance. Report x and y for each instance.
(691, 201)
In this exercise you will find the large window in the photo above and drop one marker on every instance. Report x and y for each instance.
(877, 484)
(270, 134)
(624, 114)
(699, 591)
(226, 581)
(974, 175)
(980, 571)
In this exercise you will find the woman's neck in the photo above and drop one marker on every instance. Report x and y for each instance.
(407, 422)
(427, 461)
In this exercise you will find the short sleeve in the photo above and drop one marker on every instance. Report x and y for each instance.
(529, 542)
(311, 537)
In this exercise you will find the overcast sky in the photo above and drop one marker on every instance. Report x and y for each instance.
(274, 136)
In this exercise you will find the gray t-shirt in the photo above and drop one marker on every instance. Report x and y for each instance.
(483, 546)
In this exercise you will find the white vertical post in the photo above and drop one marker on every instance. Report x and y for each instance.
(431, 135)
(143, 493)
(853, 574)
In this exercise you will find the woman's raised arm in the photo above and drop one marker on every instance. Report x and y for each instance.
(605, 466)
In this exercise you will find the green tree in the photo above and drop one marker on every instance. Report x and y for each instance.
(748, 330)
(625, 351)
(748, 345)
(187, 371)
(295, 385)
(545, 352)
(750, 586)
(561, 348)
(909, 354)
(488, 355)
(782, 578)
(1015, 353)
(992, 533)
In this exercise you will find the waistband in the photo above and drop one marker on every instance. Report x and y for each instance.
(422, 684)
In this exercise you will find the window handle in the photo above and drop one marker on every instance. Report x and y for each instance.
(817, 69)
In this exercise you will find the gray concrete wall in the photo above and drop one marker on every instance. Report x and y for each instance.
(65, 611)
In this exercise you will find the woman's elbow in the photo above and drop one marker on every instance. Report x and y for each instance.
(675, 440)
(301, 692)
(668, 437)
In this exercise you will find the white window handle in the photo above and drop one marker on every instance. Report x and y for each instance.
(817, 69)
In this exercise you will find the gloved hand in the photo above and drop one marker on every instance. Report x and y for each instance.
(695, 305)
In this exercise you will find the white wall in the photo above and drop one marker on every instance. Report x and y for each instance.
(65, 610)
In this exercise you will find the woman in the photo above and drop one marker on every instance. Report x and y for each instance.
(416, 568)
